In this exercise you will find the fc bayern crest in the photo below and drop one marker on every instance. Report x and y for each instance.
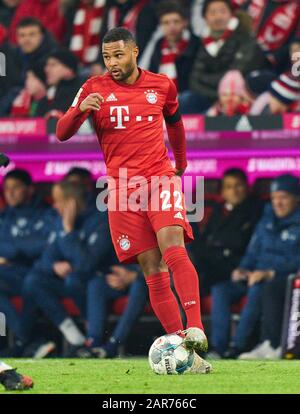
(151, 96)
(124, 242)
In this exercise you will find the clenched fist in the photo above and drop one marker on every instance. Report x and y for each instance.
(92, 102)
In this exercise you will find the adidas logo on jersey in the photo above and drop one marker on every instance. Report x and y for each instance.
(111, 98)
(178, 215)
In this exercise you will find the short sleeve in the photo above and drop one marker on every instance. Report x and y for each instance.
(171, 105)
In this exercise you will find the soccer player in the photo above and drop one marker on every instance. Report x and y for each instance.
(12, 380)
(127, 106)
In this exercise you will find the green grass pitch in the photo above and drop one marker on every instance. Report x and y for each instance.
(130, 376)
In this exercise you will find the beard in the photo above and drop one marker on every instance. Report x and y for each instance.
(124, 73)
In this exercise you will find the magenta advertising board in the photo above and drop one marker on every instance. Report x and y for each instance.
(264, 152)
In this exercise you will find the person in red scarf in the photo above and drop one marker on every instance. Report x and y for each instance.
(224, 46)
(85, 19)
(234, 98)
(89, 20)
(26, 103)
(172, 52)
(275, 23)
(138, 16)
(47, 11)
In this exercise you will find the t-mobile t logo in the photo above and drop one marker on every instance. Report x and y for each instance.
(122, 115)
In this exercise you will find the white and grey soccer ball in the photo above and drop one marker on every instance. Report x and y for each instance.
(168, 356)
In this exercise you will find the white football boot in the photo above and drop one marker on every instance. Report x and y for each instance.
(195, 339)
(200, 366)
(261, 351)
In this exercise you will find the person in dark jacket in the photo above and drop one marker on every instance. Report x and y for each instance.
(120, 281)
(172, 54)
(47, 11)
(226, 45)
(63, 83)
(273, 36)
(79, 246)
(34, 43)
(220, 247)
(272, 255)
(24, 227)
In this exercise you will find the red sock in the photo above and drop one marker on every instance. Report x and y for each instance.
(186, 283)
(163, 302)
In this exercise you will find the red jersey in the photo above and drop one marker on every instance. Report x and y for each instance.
(129, 124)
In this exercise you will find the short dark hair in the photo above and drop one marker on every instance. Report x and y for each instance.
(20, 175)
(207, 3)
(80, 172)
(117, 34)
(171, 6)
(237, 173)
(31, 21)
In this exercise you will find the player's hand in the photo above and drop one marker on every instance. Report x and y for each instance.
(180, 172)
(62, 269)
(239, 275)
(69, 215)
(91, 103)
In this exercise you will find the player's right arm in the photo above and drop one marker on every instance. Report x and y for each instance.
(82, 106)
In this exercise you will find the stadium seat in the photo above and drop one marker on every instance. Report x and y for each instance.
(117, 308)
(235, 308)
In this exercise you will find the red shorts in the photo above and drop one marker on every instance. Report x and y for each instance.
(158, 205)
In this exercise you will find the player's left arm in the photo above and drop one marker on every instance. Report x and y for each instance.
(175, 128)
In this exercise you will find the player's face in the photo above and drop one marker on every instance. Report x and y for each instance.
(120, 59)
(16, 192)
(217, 16)
(284, 203)
(234, 190)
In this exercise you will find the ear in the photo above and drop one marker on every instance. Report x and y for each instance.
(136, 51)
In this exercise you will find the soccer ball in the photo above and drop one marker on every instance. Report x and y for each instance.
(167, 355)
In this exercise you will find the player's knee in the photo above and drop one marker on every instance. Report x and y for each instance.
(162, 266)
(171, 236)
(149, 269)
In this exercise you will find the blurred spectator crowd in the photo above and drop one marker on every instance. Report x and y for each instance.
(58, 248)
(227, 57)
